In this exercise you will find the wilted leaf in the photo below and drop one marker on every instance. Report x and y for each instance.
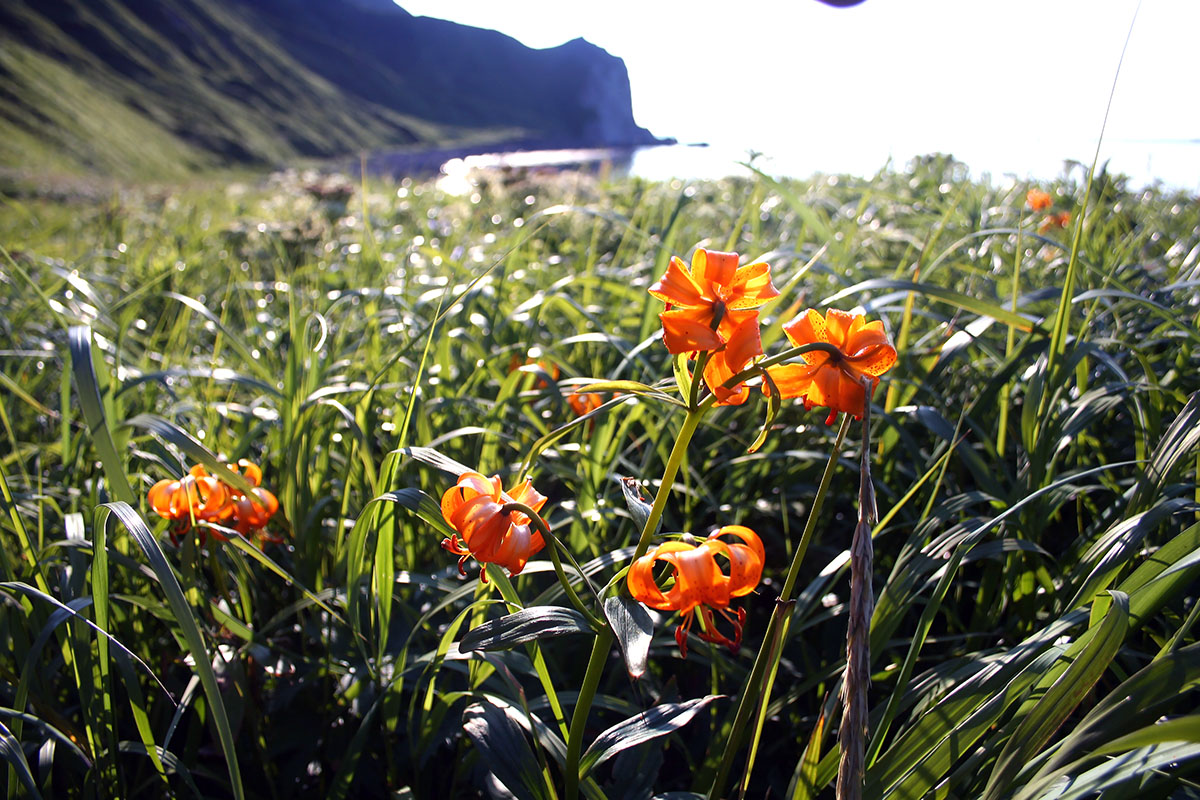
(639, 509)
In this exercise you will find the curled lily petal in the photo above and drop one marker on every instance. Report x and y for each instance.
(745, 559)
(679, 288)
(249, 469)
(753, 286)
(254, 512)
(711, 309)
(687, 331)
(716, 373)
(474, 507)
(715, 267)
(838, 380)
(700, 585)
(642, 586)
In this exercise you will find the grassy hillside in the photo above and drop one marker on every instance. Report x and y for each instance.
(1034, 452)
(159, 88)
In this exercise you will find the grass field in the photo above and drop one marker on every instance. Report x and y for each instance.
(1034, 453)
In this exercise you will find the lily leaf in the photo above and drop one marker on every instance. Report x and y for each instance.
(658, 721)
(774, 401)
(523, 626)
(633, 628)
(427, 455)
(639, 509)
(504, 749)
(628, 387)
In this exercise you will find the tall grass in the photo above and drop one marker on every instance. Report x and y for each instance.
(1035, 559)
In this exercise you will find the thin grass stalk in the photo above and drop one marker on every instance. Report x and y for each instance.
(783, 610)
(1062, 321)
(747, 702)
(852, 735)
(27, 549)
(1009, 342)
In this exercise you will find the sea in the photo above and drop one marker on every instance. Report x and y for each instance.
(1166, 164)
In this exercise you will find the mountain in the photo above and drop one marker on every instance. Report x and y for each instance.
(160, 87)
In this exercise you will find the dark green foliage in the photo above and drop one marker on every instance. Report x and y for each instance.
(1036, 559)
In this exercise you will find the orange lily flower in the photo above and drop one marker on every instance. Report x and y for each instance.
(188, 498)
(252, 515)
(228, 506)
(700, 584)
(583, 402)
(834, 380)
(490, 535)
(1037, 199)
(1060, 220)
(242, 513)
(711, 308)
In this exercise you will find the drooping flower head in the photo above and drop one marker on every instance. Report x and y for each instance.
(835, 380)
(473, 507)
(245, 513)
(711, 308)
(700, 583)
(188, 498)
(1037, 199)
(203, 497)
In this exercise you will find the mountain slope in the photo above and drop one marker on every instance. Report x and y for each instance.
(162, 86)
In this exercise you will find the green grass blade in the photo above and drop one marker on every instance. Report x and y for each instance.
(190, 630)
(1089, 660)
(15, 756)
(87, 389)
(956, 299)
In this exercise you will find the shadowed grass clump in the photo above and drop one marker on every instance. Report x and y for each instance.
(1035, 460)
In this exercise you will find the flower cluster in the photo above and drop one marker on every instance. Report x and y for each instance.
(200, 497)
(474, 507)
(711, 309)
(700, 584)
(1040, 201)
(711, 317)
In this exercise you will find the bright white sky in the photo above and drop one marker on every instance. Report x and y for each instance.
(1006, 85)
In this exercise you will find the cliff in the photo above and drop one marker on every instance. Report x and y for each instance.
(162, 86)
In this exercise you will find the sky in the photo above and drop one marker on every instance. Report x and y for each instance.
(1008, 86)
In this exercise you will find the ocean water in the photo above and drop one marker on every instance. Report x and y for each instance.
(1170, 164)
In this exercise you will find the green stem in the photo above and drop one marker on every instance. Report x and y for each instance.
(779, 358)
(810, 524)
(690, 423)
(587, 692)
(552, 540)
(697, 379)
(604, 639)
(768, 658)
